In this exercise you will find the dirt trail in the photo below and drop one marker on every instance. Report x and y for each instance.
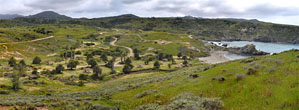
(28, 41)
(131, 53)
(7, 53)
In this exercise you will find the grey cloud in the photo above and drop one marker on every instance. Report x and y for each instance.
(270, 10)
(53, 4)
(222, 9)
(133, 1)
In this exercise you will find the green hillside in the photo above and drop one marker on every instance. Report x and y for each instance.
(209, 29)
(127, 62)
(272, 85)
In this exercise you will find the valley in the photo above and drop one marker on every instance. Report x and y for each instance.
(127, 62)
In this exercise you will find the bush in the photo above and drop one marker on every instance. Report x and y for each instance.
(59, 69)
(188, 101)
(157, 65)
(78, 52)
(71, 83)
(92, 62)
(145, 93)
(97, 71)
(100, 107)
(81, 83)
(72, 64)
(36, 60)
(271, 70)
(240, 77)
(149, 107)
(251, 71)
(127, 69)
(4, 92)
(12, 62)
(83, 77)
(219, 78)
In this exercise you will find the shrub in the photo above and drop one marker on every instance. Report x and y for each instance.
(100, 107)
(4, 92)
(71, 83)
(127, 69)
(157, 65)
(12, 62)
(219, 78)
(149, 107)
(247, 61)
(83, 77)
(59, 69)
(36, 60)
(271, 70)
(278, 62)
(81, 83)
(185, 63)
(15, 82)
(145, 93)
(256, 66)
(188, 101)
(240, 77)
(78, 52)
(72, 64)
(251, 71)
(92, 62)
(97, 71)
(46, 72)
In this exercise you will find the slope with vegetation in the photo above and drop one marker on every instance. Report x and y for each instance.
(126, 62)
(253, 83)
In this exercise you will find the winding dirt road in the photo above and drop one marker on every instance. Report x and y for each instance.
(131, 53)
(28, 41)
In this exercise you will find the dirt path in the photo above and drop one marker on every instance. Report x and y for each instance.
(131, 53)
(7, 53)
(28, 41)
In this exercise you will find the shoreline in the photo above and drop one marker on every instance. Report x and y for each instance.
(216, 57)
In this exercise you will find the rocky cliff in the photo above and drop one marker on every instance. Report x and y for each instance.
(246, 50)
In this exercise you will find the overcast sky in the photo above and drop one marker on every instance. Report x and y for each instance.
(276, 11)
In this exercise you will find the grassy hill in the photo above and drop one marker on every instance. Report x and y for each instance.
(184, 83)
(209, 29)
(233, 85)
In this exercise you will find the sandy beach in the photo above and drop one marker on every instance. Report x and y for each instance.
(216, 57)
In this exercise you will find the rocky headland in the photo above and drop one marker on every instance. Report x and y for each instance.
(246, 50)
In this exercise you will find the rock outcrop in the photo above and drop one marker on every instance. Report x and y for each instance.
(246, 50)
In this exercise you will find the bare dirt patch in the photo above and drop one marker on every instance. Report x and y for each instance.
(162, 42)
(216, 57)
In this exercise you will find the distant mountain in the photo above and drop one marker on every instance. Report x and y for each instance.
(243, 20)
(127, 16)
(50, 15)
(189, 17)
(9, 16)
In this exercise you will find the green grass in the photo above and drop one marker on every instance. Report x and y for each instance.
(261, 91)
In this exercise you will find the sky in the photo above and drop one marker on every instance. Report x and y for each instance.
(276, 11)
